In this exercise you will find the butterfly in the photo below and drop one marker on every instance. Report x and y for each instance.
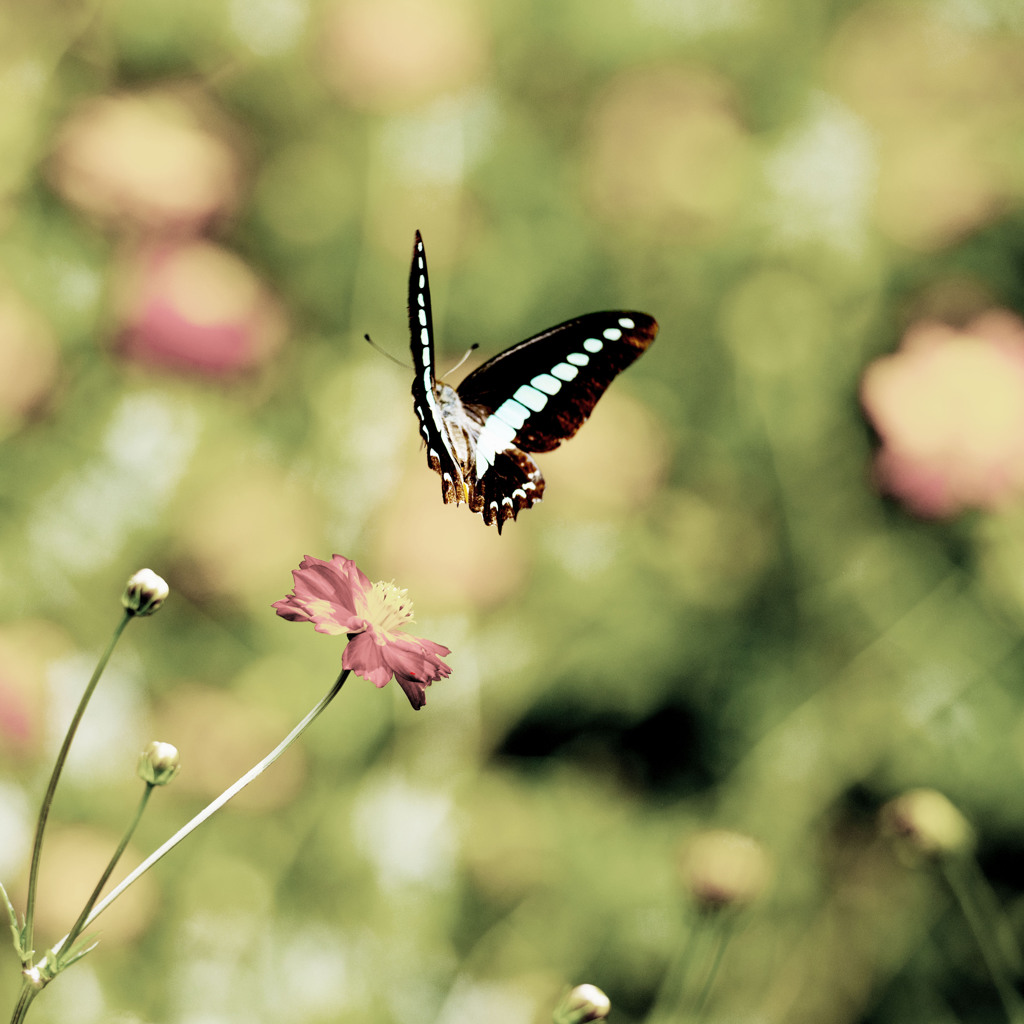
(529, 398)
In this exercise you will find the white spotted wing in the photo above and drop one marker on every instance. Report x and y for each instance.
(530, 398)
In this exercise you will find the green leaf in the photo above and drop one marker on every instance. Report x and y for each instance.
(18, 930)
(83, 944)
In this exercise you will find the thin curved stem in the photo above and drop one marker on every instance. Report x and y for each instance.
(51, 789)
(726, 927)
(79, 925)
(967, 888)
(212, 807)
(672, 991)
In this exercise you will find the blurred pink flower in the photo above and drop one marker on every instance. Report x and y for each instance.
(194, 307)
(16, 727)
(337, 598)
(949, 408)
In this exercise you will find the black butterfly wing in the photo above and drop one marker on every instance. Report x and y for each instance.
(440, 454)
(529, 398)
(511, 482)
(538, 393)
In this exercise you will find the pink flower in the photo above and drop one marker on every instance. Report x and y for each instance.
(337, 598)
(194, 308)
(949, 407)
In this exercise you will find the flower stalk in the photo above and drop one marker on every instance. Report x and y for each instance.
(79, 925)
(724, 925)
(1001, 958)
(722, 872)
(27, 946)
(929, 829)
(28, 993)
(670, 999)
(211, 808)
(339, 600)
(38, 976)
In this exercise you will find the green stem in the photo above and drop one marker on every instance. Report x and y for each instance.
(970, 903)
(212, 807)
(28, 993)
(79, 925)
(44, 811)
(669, 1000)
(725, 931)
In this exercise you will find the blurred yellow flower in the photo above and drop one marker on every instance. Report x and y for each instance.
(29, 362)
(391, 54)
(945, 103)
(144, 161)
(927, 822)
(721, 869)
(667, 149)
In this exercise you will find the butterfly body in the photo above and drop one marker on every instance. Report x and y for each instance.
(529, 398)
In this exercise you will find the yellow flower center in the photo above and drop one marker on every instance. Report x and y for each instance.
(388, 607)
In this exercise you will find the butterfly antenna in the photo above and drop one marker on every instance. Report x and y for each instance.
(387, 355)
(469, 351)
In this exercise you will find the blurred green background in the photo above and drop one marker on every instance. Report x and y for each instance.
(713, 620)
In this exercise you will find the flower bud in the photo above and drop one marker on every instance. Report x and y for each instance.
(927, 823)
(144, 593)
(158, 763)
(723, 869)
(581, 1004)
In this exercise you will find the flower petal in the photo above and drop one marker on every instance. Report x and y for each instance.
(365, 657)
(325, 594)
(414, 690)
(415, 663)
